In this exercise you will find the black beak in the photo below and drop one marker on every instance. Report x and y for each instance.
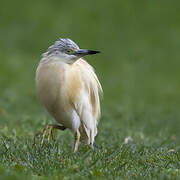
(84, 52)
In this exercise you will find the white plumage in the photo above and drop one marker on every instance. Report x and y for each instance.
(70, 93)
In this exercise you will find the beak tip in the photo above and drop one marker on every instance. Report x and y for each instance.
(93, 52)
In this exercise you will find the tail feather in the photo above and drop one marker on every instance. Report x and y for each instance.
(87, 135)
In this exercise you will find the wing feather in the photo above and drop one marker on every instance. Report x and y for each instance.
(88, 106)
(92, 85)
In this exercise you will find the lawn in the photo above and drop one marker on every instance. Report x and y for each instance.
(139, 69)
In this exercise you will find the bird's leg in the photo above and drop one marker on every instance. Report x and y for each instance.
(51, 133)
(76, 140)
(49, 127)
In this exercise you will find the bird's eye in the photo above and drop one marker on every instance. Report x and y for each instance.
(69, 51)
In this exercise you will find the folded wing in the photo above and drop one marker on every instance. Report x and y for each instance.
(87, 104)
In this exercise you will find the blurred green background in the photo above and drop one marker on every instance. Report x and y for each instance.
(139, 66)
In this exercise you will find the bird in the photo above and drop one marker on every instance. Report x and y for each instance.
(68, 87)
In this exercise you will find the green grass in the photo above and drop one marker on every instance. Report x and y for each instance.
(139, 72)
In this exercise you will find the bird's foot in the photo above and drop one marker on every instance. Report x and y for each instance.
(48, 130)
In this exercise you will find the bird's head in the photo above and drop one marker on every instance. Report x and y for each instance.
(67, 51)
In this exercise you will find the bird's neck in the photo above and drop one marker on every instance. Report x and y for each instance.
(54, 59)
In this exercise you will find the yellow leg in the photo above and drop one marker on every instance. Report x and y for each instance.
(49, 129)
(76, 140)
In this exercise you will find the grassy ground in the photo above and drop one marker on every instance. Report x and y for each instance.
(139, 71)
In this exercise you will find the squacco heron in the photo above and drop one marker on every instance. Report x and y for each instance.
(69, 89)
